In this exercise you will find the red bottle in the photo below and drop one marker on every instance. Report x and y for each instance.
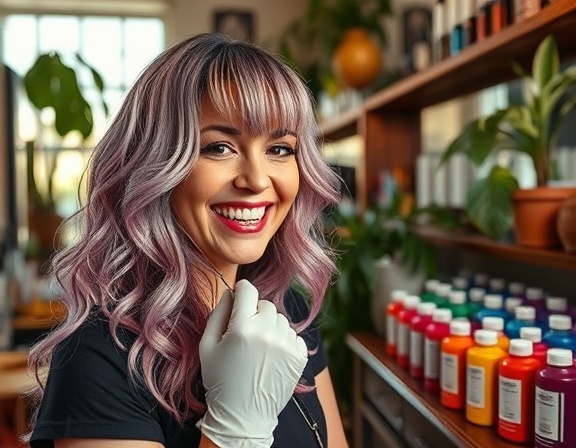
(437, 330)
(392, 310)
(539, 348)
(516, 385)
(417, 327)
(403, 340)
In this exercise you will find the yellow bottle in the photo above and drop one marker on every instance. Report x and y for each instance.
(482, 378)
(497, 324)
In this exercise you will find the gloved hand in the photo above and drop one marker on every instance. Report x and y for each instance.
(251, 360)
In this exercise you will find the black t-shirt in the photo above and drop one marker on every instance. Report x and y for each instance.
(89, 394)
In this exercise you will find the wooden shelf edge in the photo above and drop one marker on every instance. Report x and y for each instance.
(487, 63)
(370, 348)
(550, 258)
(344, 125)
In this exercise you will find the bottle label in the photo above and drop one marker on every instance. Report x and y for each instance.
(415, 348)
(510, 399)
(391, 330)
(431, 361)
(449, 377)
(402, 342)
(549, 415)
(475, 384)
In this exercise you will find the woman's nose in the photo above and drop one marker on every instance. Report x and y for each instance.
(252, 175)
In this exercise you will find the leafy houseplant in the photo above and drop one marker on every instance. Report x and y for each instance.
(530, 128)
(309, 42)
(50, 83)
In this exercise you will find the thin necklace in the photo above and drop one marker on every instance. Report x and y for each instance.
(309, 420)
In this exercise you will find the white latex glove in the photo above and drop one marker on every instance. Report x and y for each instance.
(251, 360)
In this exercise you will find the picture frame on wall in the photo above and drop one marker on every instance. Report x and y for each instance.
(238, 24)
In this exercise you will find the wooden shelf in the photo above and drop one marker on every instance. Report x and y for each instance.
(478, 243)
(342, 126)
(370, 348)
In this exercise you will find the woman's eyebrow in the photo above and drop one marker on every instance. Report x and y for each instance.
(221, 128)
(282, 133)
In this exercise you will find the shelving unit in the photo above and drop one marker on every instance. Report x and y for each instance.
(389, 125)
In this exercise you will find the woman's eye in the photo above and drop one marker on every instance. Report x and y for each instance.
(281, 150)
(215, 149)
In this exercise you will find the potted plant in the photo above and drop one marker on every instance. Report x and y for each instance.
(495, 203)
(50, 83)
(310, 42)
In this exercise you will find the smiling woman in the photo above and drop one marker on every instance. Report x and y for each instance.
(205, 199)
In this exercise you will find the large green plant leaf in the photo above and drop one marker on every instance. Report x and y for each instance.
(488, 202)
(545, 64)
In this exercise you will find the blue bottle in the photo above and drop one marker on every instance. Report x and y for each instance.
(494, 307)
(560, 334)
(510, 305)
(524, 316)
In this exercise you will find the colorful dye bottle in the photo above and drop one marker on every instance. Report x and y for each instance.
(482, 378)
(457, 303)
(429, 292)
(437, 330)
(510, 305)
(535, 298)
(417, 328)
(524, 316)
(497, 324)
(516, 289)
(556, 402)
(497, 286)
(560, 333)
(392, 310)
(539, 348)
(403, 338)
(517, 375)
(453, 364)
(493, 306)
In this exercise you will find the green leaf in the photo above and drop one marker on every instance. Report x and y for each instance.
(546, 63)
(489, 204)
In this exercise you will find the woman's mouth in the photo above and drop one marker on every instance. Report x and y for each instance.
(242, 219)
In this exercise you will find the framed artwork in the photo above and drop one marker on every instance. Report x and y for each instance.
(237, 24)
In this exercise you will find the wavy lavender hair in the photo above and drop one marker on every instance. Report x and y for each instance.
(134, 260)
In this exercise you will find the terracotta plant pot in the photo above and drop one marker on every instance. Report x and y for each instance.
(566, 222)
(357, 60)
(535, 215)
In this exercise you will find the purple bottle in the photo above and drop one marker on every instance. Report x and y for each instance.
(535, 298)
(556, 401)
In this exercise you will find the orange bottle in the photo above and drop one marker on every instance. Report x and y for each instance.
(392, 310)
(517, 376)
(497, 324)
(482, 378)
(453, 364)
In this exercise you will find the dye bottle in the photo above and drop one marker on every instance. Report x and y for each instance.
(482, 378)
(517, 375)
(535, 298)
(516, 289)
(437, 330)
(497, 285)
(556, 402)
(524, 316)
(453, 364)
(475, 304)
(403, 337)
(539, 348)
(493, 306)
(497, 324)
(392, 310)
(510, 305)
(441, 294)
(560, 333)
(460, 283)
(457, 304)
(418, 325)
(429, 292)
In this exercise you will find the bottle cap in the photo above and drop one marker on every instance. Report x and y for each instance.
(431, 284)
(466, 273)
(457, 297)
(476, 294)
(481, 279)
(559, 357)
(485, 337)
(442, 289)
(521, 347)
(460, 283)
(557, 304)
(534, 293)
(559, 322)
(511, 303)
(533, 334)
(516, 288)
(497, 284)
(493, 301)
(460, 328)
(525, 312)
(493, 323)
(443, 315)
(398, 295)
(411, 302)
(425, 308)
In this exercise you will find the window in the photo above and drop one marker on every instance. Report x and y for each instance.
(118, 47)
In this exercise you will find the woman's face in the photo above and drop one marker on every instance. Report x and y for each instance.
(239, 191)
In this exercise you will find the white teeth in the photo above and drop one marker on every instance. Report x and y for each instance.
(245, 214)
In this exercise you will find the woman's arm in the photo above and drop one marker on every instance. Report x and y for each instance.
(336, 436)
